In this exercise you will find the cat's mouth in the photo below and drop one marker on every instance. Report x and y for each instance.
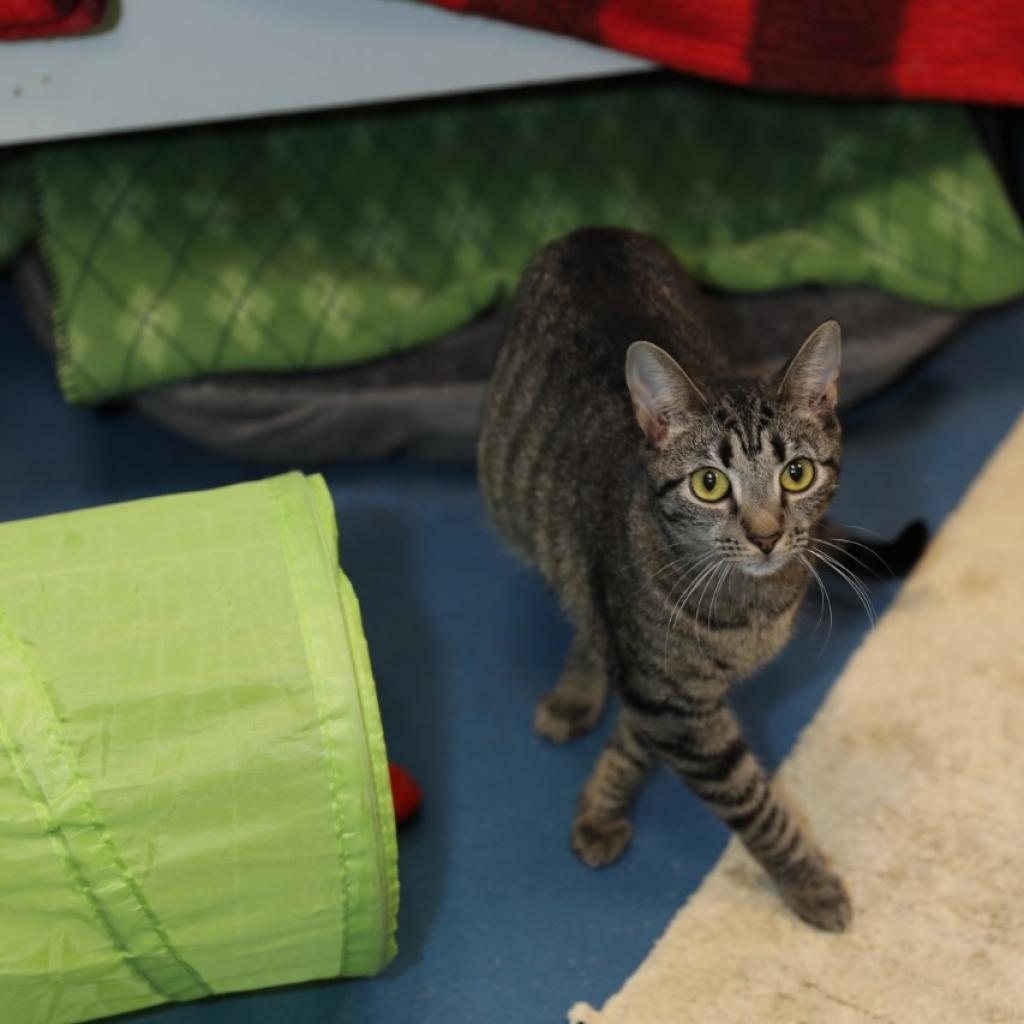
(765, 565)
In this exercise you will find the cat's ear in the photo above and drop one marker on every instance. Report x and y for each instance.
(663, 396)
(812, 377)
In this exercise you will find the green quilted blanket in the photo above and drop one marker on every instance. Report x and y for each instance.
(335, 239)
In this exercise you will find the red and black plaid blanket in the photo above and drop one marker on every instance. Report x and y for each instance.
(27, 19)
(922, 49)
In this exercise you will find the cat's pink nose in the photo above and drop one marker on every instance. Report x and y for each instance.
(765, 541)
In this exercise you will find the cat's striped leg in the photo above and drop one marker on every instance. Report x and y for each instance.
(710, 755)
(575, 703)
(601, 830)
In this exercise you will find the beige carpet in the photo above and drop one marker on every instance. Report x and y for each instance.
(912, 776)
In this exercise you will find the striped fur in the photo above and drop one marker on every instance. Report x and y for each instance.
(672, 600)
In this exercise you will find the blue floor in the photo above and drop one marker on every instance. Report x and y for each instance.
(498, 921)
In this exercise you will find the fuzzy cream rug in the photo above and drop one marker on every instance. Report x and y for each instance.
(912, 776)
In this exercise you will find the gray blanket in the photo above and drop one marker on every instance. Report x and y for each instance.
(426, 401)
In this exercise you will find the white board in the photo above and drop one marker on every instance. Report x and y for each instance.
(168, 62)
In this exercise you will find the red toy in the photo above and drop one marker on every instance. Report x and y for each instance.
(405, 793)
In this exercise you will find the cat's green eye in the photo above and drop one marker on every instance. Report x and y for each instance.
(798, 475)
(709, 484)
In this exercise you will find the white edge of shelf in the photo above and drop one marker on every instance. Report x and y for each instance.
(194, 61)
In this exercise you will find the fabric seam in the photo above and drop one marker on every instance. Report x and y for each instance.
(330, 761)
(79, 874)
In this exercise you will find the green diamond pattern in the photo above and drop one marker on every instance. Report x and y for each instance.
(335, 239)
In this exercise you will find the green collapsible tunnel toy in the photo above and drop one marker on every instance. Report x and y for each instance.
(194, 788)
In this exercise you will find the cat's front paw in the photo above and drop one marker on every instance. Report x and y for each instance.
(820, 900)
(562, 716)
(599, 842)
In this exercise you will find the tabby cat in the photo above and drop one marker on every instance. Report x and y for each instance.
(676, 512)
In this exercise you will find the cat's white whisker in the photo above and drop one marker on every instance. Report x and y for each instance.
(688, 571)
(855, 585)
(676, 561)
(678, 606)
(714, 597)
(837, 543)
(823, 600)
(863, 529)
(700, 600)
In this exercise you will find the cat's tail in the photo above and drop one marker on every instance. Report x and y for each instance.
(875, 559)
